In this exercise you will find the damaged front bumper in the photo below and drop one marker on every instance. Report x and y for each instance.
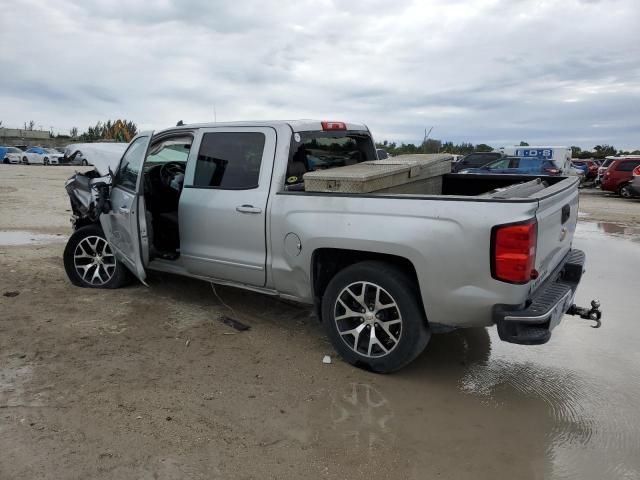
(89, 195)
(532, 323)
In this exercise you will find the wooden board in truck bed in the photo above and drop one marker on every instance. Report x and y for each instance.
(401, 174)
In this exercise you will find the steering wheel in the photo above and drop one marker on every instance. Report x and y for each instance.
(168, 171)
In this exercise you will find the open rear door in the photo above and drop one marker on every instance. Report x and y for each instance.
(122, 224)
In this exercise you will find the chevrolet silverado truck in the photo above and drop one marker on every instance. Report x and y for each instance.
(225, 203)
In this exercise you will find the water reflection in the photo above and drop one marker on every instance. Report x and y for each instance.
(361, 415)
(618, 230)
(19, 237)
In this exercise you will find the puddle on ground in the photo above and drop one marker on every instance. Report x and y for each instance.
(614, 229)
(10, 238)
(567, 409)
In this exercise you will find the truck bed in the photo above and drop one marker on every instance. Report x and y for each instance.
(446, 238)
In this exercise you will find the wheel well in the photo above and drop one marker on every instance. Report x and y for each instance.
(327, 262)
(83, 222)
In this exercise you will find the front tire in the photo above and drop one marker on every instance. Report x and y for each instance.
(45, 162)
(373, 316)
(90, 262)
(25, 160)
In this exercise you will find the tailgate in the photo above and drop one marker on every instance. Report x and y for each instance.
(557, 215)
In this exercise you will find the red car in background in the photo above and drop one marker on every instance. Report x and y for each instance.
(634, 184)
(619, 175)
(592, 168)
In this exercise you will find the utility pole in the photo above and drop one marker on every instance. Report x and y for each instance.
(424, 141)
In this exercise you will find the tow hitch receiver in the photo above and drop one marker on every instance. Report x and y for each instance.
(594, 313)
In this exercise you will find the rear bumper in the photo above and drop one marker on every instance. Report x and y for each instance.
(532, 323)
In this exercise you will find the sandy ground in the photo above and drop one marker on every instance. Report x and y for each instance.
(148, 383)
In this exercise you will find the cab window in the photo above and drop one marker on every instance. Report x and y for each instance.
(131, 163)
(229, 160)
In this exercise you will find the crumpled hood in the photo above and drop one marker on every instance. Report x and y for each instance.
(102, 155)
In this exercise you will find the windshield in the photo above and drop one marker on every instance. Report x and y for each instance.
(51, 150)
(13, 150)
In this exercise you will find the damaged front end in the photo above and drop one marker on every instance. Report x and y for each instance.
(89, 191)
(89, 195)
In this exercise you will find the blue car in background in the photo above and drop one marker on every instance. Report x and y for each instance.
(583, 167)
(518, 166)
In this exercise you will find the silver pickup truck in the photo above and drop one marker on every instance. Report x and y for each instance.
(225, 203)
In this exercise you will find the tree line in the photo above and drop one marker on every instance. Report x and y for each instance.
(465, 148)
(119, 130)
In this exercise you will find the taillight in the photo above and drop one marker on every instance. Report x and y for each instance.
(513, 252)
(333, 125)
(552, 171)
(636, 171)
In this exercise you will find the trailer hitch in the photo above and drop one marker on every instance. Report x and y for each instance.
(594, 313)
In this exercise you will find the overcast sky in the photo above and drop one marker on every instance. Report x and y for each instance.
(492, 71)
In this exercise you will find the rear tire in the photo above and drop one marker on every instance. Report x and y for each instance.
(90, 263)
(625, 191)
(373, 316)
(45, 162)
(25, 160)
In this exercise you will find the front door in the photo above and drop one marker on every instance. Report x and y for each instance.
(223, 205)
(121, 224)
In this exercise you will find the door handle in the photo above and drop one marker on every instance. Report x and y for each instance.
(123, 210)
(248, 209)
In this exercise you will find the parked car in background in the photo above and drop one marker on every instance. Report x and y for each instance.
(10, 154)
(603, 168)
(476, 160)
(580, 166)
(589, 167)
(73, 156)
(382, 154)
(619, 175)
(42, 155)
(634, 185)
(517, 166)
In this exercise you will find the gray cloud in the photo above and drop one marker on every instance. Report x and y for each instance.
(494, 71)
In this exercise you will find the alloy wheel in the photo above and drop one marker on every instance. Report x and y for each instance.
(625, 192)
(94, 261)
(368, 319)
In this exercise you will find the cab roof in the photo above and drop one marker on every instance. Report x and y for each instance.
(295, 125)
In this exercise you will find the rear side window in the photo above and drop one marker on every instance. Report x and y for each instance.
(504, 163)
(229, 160)
(323, 150)
(480, 160)
(529, 163)
(627, 166)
